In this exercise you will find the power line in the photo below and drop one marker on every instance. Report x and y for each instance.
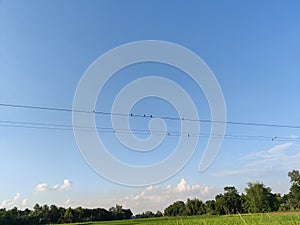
(149, 116)
(66, 127)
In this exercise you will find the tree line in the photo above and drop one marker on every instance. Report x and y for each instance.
(257, 199)
(55, 215)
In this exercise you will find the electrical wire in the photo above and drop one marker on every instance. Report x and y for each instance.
(149, 116)
(67, 127)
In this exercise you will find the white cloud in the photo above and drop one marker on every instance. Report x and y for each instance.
(9, 203)
(45, 187)
(159, 197)
(17, 197)
(6, 203)
(74, 204)
(55, 187)
(151, 188)
(182, 186)
(42, 187)
(66, 185)
(25, 202)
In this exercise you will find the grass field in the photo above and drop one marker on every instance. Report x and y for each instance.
(249, 219)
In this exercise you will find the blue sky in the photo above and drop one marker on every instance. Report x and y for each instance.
(46, 46)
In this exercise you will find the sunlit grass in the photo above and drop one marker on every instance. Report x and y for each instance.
(249, 219)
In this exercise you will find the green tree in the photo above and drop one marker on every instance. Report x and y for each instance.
(127, 213)
(295, 177)
(146, 214)
(259, 199)
(229, 203)
(194, 207)
(37, 214)
(46, 211)
(233, 202)
(220, 204)
(210, 207)
(293, 200)
(176, 209)
(117, 212)
(158, 214)
(54, 214)
(68, 216)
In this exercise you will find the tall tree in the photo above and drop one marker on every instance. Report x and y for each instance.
(259, 199)
(176, 209)
(233, 202)
(68, 216)
(45, 211)
(37, 214)
(54, 214)
(220, 204)
(211, 207)
(195, 207)
(295, 177)
(229, 203)
(294, 195)
(117, 212)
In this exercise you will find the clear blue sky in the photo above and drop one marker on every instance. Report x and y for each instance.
(45, 46)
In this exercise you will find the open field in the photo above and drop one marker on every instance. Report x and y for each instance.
(249, 219)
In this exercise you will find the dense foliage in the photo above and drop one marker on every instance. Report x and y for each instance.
(148, 214)
(257, 199)
(53, 214)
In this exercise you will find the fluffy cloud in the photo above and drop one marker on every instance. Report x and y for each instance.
(42, 187)
(183, 186)
(6, 203)
(66, 185)
(45, 187)
(25, 202)
(158, 197)
(9, 203)
(17, 197)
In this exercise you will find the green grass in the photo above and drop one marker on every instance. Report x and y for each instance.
(248, 219)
